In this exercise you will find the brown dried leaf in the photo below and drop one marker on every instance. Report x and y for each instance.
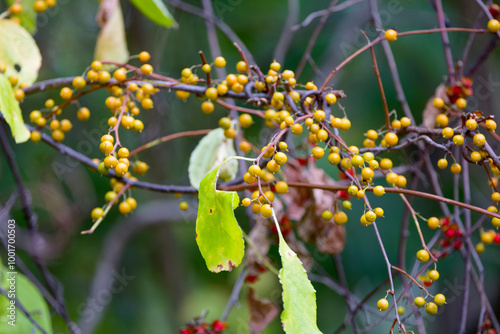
(328, 237)
(111, 44)
(430, 112)
(300, 249)
(297, 199)
(262, 312)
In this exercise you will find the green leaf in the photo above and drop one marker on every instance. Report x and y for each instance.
(210, 152)
(27, 16)
(9, 107)
(156, 11)
(29, 296)
(299, 296)
(111, 44)
(19, 52)
(218, 235)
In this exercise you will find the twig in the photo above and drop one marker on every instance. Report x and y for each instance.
(238, 108)
(314, 38)
(320, 13)
(417, 225)
(204, 61)
(218, 22)
(380, 85)
(31, 222)
(446, 42)
(467, 271)
(234, 294)
(287, 34)
(167, 138)
(392, 63)
(343, 281)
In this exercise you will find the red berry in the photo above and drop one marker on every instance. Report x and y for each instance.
(185, 331)
(218, 325)
(457, 245)
(450, 233)
(496, 239)
(343, 194)
(251, 278)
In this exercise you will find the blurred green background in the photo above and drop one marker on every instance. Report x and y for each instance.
(170, 283)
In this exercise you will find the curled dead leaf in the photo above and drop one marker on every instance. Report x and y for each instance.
(430, 112)
(262, 312)
(297, 199)
(111, 44)
(306, 207)
(300, 249)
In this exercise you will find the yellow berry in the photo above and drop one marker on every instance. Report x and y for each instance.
(382, 304)
(438, 102)
(340, 218)
(442, 163)
(442, 120)
(490, 125)
(183, 205)
(493, 26)
(391, 138)
(220, 62)
(318, 152)
(433, 223)
(96, 213)
(471, 124)
(419, 301)
(456, 168)
(422, 256)
(461, 103)
(431, 308)
(66, 93)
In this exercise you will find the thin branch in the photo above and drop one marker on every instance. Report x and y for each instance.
(217, 21)
(446, 42)
(234, 294)
(320, 13)
(167, 138)
(392, 63)
(314, 38)
(287, 34)
(380, 85)
(31, 222)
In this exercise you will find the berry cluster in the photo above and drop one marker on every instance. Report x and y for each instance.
(129, 94)
(39, 6)
(198, 326)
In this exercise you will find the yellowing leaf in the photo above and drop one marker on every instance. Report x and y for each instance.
(218, 235)
(210, 152)
(156, 11)
(9, 107)
(111, 44)
(19, 52)
(299, 296)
